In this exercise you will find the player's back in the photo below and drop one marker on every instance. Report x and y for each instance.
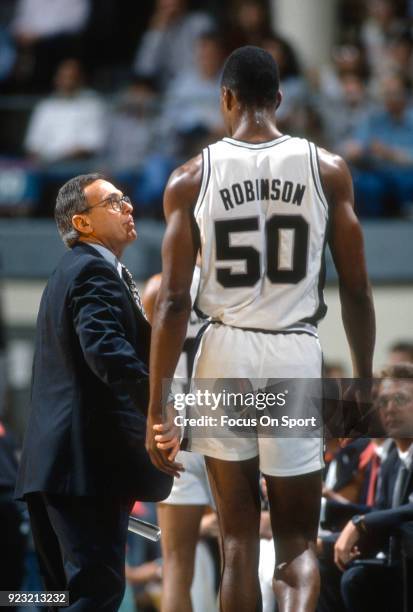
(262, 216)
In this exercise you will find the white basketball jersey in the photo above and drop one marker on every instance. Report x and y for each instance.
(262, 216)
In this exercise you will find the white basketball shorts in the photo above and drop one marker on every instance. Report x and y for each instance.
(229, 353)
(192, 488)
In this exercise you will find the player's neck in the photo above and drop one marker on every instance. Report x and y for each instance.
(255, 126)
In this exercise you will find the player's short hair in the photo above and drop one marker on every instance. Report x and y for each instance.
(71, 200)
(252, 74)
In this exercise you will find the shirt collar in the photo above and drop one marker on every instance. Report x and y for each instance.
(108, 255)
(406, 457)
(382, 450)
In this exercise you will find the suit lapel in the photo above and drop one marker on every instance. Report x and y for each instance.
(407, 485)
(83, 246)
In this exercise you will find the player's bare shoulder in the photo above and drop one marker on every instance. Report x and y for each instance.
(184, 185)
(335, 174)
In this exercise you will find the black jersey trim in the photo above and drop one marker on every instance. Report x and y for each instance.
(316, 179)
(321, 309)
(187, 437)
(273, 332)
(256, 146)
(206, 174)
(320, 178)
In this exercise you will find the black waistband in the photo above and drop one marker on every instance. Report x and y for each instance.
(274, 332)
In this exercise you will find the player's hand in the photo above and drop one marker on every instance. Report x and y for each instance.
(162, 458)
(168, 438)
(345, 549)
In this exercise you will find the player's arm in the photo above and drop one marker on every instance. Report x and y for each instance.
(347, 248)
(173, 304)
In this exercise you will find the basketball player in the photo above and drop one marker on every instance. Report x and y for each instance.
(260, 206)
(180, 514)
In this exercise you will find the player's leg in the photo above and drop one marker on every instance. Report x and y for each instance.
(295, 510)
(180, 533)
(235, 487)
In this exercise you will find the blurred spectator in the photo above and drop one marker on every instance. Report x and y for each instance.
(400, 352)
(13, 540)
(46, 32)
(3, 359)
(382, 146)
(344, 480)
(38, 19)
(190, 119)
(192, 100)
(167, 47)
(379, 587)
(370, 535)
(292, 113)
(251, 23)
(334, 369)
(399, 55)
(70, 124)
(346, 60)
(7, 54)
(143, 566)
(339, 120)
(133, 132)
(382, 22)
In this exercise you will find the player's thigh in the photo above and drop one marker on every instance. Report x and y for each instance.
(295, 511)
(235, 487)
(180, 530)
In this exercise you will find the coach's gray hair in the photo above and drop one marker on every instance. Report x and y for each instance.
(70, 201)
(398, 370)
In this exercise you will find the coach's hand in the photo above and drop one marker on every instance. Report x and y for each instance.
(345, 549)
(162, 444)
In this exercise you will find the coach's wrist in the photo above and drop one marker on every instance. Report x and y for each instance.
(358, 522)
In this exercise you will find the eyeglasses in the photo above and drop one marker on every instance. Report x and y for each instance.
(398, 399)
(118, 204)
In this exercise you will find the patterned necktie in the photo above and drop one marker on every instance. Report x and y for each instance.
(128, 278)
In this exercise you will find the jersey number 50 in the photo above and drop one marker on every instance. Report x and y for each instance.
(273, 227)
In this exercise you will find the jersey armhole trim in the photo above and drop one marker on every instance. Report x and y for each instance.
(206, 173)
(320, 177)
(315, 170)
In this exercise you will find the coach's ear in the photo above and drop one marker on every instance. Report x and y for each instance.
(82, 224)
(278, 98)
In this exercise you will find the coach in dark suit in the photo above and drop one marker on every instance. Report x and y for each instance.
(84, 461)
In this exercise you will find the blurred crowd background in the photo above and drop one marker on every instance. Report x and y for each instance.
(131, 89)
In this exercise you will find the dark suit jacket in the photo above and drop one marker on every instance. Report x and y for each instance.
(89, 394)
(383, 520)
